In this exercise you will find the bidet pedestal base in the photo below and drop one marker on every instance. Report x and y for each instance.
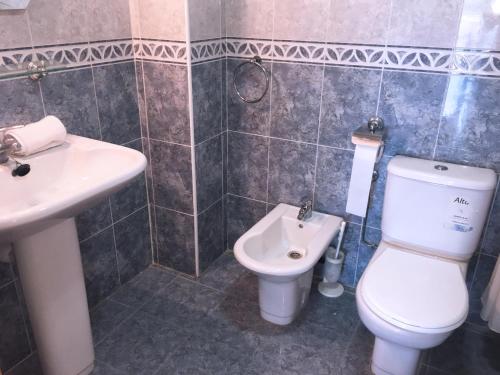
(51, 273)
(282, 297)
(392, 359)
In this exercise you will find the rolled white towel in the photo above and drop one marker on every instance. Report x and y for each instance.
(38, 136)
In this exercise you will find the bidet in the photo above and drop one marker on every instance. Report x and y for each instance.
(282, 250)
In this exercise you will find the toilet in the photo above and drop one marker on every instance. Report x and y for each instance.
(412, 294)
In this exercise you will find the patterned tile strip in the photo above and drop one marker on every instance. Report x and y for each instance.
(410, 58)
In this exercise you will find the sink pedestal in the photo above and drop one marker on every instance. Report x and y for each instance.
(51, 274)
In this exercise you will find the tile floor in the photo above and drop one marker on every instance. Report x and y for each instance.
(163, 323)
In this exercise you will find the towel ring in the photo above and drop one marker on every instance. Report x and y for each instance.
(257, 61)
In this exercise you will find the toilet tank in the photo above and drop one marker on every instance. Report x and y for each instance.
(435, 207)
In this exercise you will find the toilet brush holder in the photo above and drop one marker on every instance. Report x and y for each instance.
(330, 287)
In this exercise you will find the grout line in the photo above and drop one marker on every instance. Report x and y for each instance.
(169, 142)
(441, 114)
(251, 199)
(209, 207)
(209, 139)
(111, 225)
(172, 210)
(114, 241)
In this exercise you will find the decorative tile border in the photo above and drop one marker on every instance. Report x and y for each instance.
(409, 58)
(62, 56)
(161, 50)
(485, 63)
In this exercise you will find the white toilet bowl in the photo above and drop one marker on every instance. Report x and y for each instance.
(409, 302)
(282, 251)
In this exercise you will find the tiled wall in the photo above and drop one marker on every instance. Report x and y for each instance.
(429, 68)
(95, 95)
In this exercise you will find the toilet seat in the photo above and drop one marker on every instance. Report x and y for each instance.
(415, 292)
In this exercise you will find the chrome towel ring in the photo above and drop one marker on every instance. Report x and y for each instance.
(257, 61)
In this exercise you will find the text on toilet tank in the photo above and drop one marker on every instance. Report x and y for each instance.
(460, 200)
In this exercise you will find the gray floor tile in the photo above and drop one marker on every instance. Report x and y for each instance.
(230, 277)
(143, 287)
(106, 317)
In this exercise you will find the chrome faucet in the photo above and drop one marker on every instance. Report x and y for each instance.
(306, 210)
(7, 145)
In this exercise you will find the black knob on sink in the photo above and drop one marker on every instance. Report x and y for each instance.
(21, 170)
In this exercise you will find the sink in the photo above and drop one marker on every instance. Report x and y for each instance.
(282, 251)
(37, 220)
(63, 182)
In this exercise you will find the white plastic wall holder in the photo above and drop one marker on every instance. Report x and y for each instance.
(330, 287)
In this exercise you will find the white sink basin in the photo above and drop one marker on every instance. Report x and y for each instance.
(282, 251)
(63, 181)
(37, 216)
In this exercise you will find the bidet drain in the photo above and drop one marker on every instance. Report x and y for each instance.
(294, 254)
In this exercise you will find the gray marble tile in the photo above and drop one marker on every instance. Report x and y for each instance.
(247, 165)
(242, 214)
(348, 20)
(478, 26)
(247, 117)
(143, 287)
(428, 23)
(301, 20)
(20, 101)
(208, 172)
(227, 276)
(374, 213)
(99, 266)
(207, 100)
(470, 118)
(333, 174)
(69, 24)
(133, 244)
(139, 345)
(141, 97)
(410, 105)
(205, 19)
(14, 32)
(14, 342)
(249, 18)
(167, 102)
(211, 234)
(116, 92)
(191, 295)
(338, 314)
(357, 360)
(175, 240)
(130, 198)
(350, 98)
(296, 101)
(291, 172)
(491, 240)
(70, 96)
(105, 317)
(172, 176)
(93, 220)
(109, 20)
(29, 366)
(475, 157)
(6, 273)
(162, 19)
(467, 352)
(224, 142)
(484, 269)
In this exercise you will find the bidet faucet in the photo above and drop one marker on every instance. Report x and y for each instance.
(6, 146)
(305, 211)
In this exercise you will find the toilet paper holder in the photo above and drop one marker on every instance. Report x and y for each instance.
(373, 131)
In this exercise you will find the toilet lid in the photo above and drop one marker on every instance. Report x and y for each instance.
(407, 289)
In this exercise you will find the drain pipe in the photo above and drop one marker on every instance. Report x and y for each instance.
(363, 224)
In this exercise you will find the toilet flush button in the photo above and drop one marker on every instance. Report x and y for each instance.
(441, 167)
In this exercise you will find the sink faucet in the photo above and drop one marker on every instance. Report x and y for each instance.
(305, 211)
(7, 145)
